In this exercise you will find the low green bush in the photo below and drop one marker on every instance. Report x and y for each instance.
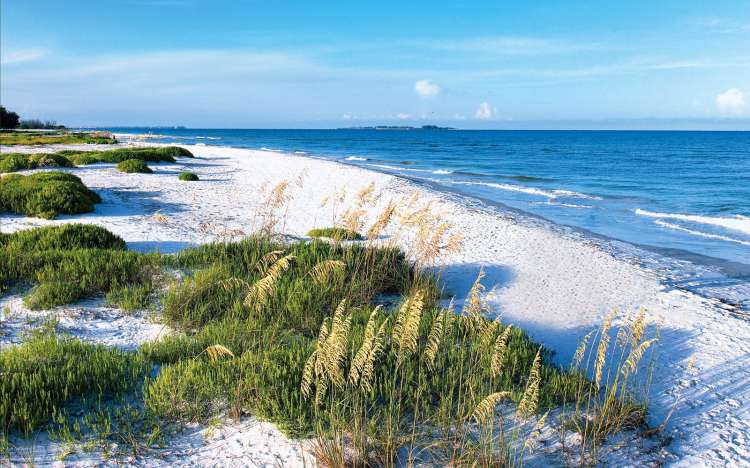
(130, 297)
(63, 237)
(146, 154)
(201, 298)
(335, 233)
(55, 138)
(12, 162)
(134, 166)
(70, 262)
(46, 194)
(188, 176)
(45, 372)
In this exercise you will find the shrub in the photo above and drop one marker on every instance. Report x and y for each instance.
(69, 262)
(63, 276)
(147, 154)
(53, 138)
(46, 194)
(13, 162)
(335, 233)
(130, 297)
(188, 176)
(200, 299)
(134, 166)
(45, 372)
(64, 237)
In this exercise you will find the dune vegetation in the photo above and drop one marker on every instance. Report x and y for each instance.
(146, 154)
(131, 166)
(46, 194)
(12, 162)
(55, 138)
(352, 344)
(336, 233)
(188, 176)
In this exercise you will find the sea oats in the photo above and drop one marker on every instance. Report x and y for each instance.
(323, 271)
(581, 350)
(433, 340)
(268, 259)
(362, 369)
(601, 353)
(216, 351)
(530, 399)
(531, 439)
(382, 222)
(406, 331)
(636, 354)
(498, 356)
(261, 291)
(486, 408)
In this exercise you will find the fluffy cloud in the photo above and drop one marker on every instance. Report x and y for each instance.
(731, 102)
(402, 116)
(426, 88)
(485, 111)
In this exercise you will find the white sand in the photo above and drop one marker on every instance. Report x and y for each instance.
(554, 283)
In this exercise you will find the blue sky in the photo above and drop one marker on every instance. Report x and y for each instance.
(488, 64)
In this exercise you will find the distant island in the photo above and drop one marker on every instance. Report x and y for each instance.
(398, 127)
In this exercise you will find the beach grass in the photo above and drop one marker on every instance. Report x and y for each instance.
(132, 166)
(46, 372)
(64, 237)
(347, 343)
(335, 233)
(12, 162)
(188, 176)
(46, 195)
(54, 138)
(146, 154)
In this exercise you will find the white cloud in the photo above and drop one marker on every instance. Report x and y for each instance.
(402, 116)
(426, 88)
(485, 111)
(21, 56)
(731, 102)
(513, 46)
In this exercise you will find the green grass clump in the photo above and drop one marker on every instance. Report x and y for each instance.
(130, 297)
(45, 372)
(46, 194)
(335, 233)
(64, 237)
(70, 262)
(55, 138)
(188, 176)
(134, 166)
(13, 162)
(317, 277)
(146, 154)
(64, 276)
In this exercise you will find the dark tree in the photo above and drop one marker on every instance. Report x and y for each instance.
(8, 119)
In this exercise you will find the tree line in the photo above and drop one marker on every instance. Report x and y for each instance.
(10, 120)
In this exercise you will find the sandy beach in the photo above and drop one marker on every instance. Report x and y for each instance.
(555, 283)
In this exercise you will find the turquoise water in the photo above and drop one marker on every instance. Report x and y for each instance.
(679, 193)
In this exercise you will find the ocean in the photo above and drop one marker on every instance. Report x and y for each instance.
(685, 195)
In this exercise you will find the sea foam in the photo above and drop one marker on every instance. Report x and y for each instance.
(551, 194)
(699, 233)
(736, 223)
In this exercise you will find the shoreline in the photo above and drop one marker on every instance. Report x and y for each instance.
(555, 287)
